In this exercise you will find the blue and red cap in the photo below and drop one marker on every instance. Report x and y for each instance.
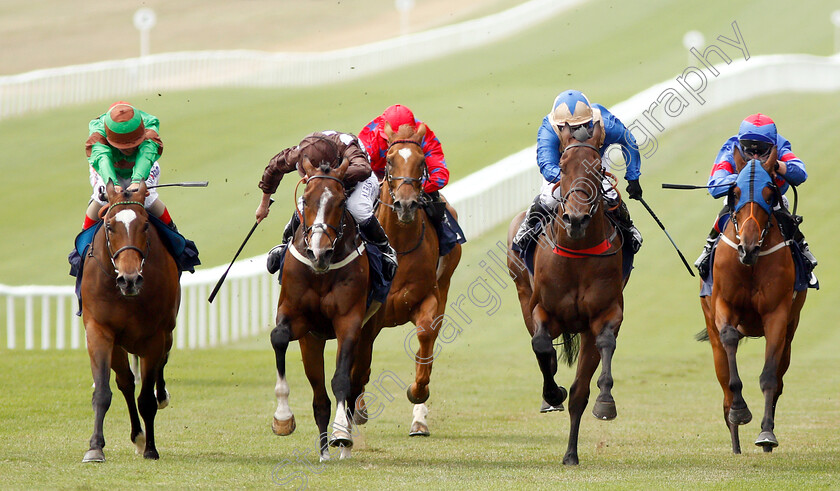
(758, 127)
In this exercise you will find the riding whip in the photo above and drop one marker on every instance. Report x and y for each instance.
(190, 184)
(667, 235)
(222, 279)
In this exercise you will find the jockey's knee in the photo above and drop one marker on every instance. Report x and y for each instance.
(156, 208)
(93, 208)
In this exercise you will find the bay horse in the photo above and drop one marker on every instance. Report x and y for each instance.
(752, 295)
(131, 294)
(419, 290)
(323, 296)
(576, 288)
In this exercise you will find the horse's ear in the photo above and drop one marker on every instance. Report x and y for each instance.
(143, 191)
(420, 132)
(306, 165)
(389, 132)
(109, 189)
(739, 159)
(772, 162)
(342, 169)
(596, 135)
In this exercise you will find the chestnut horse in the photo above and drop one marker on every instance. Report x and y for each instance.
(576, 289)
(752, 295)
(419, 289)
(131, 294)
(323, 296)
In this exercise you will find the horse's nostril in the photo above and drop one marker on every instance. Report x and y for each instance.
(310, 254)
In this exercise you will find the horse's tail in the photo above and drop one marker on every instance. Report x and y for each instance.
(570, 348)
(702, 336)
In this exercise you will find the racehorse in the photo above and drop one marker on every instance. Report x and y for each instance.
(752, 295)
(419, 289)
(131, 295)
(576, 288)
(322, 296)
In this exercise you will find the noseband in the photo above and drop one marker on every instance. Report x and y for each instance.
(404, 179)
(324, 227)
(113, 255)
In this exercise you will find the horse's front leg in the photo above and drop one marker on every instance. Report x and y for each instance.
(283, 422)
(347, 330)
(721, 371)
(147, 401)
(739, 413)
(776, 361)
(312, 354)
(126, 383)
(100, 344)
(423, 317)
(360, 374)
(604, 407)
(579, 392)
(553, 394)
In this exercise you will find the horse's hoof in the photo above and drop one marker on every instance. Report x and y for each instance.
(604, 410)
(139, 443)
(570, 459)
(547, 408)
(556, 397)
(360, 416)
(419, 429)
(420, 399)
(341, 439)
(165, 402)
(283, 428)
(767, 440)
(151, 454)
(94, 455)
(344, 453)
(739, 416)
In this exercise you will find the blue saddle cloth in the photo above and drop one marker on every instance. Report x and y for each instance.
(527, 255)
(449, 232)
(183, 250)
(801, 265)
(379, 286)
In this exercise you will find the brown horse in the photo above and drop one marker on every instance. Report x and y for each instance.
(752, 295)
(419, 289)
(323, 295)
(577, 286)
(131, 296)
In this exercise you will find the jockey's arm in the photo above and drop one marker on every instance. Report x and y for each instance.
(435, 161)
(616, 133)
(790, 165)
(272, 175)
(548, 152)
(723, 172)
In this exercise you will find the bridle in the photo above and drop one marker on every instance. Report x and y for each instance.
(322, 227)
(753, 204)
(581, 189)
(113, 255)
(405, 179)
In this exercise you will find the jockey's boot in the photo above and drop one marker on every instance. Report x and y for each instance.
(74, 258)
(807, 254)
(373, 233)
(702, 262)
(621, 216)
(537, 213)
(275, 255)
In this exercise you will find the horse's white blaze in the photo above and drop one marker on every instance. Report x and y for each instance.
(319, 219)
(125, 217)
(281, 390)
(405, 153)
(420, 412)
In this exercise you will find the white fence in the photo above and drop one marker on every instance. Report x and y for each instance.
(483, 199)
(43, 89)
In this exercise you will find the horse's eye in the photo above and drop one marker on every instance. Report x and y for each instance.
(108, 227)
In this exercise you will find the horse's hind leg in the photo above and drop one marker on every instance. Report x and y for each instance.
(161, 394)
(579, 393)
(604, 407)
(125, 382)
(546, 355)
(100, 346)
(283, 422)
(312, 353)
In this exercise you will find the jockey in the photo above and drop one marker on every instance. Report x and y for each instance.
(361, 185)
(124, 147)
(755, 140)
(572, 108)
(376, 143)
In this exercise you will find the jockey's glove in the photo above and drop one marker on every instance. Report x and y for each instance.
(634, 189)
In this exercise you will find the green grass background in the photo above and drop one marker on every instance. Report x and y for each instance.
(484, 105)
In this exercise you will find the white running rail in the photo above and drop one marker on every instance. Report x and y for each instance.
(483, 199)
